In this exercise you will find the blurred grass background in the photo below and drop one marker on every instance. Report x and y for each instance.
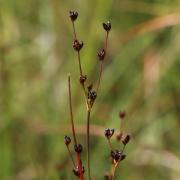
(141, 75)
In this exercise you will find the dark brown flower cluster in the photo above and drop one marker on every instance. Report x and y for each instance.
(117, 155)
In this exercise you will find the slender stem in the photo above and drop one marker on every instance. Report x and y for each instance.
(110, 145)
(71, 156)
(88, 112)
(100, 74)
(123, 148)
(74, 30)
(101, 64)
(79, 61)
(106, 42)
(121, 125)
(81, 177)
(114, 170)
(81, 74)
(70, 109)
(88, 144)
(73, 129)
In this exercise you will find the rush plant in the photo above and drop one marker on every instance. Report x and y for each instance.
(90, 94)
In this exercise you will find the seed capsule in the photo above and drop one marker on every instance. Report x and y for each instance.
(67, 140)
(109, 133)
(116, 155)
(73, 15)
(125, 138)
(82, 79)
(78, 148)
(101, 54)
(92, 95)
(107, 26)
(119, 136)
(122, 114)
(123, 157)
(77, 45)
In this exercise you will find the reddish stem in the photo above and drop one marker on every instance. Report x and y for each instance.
(81, 177)
(71, 111)
(73, 129)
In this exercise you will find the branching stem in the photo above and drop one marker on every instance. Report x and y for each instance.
(114, 166)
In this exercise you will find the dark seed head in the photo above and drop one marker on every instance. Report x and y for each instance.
(89, 87)
(92, 95)
(116, 155)
(108, 133)
(107, 26)
(77, 45)
(123, 157)
(78, 148)
(76, 171)
(82, 79)
(73, 15)
(67, 140)
(101, 54)
(122, 114)
(125, 138)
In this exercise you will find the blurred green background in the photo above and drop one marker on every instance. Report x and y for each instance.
(141, 75)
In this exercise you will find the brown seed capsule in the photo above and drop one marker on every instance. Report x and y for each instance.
(109, 133)
(101, 54)
(107, 26)
(77, 45)
(122, 157)
(119, 136)
(92, 95)
(125, 138)
(82, 79)
(78, 148)
(116, 155)
(73, 15)
(67, 140)
(122, 114)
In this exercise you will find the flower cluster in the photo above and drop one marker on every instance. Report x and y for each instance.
(117, 155)
(91, 94)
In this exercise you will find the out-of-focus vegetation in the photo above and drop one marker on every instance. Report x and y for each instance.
(141, 75)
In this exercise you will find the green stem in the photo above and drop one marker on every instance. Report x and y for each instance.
(88, 144)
